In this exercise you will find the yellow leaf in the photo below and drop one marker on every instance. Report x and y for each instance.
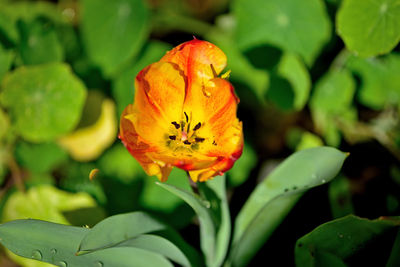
(88, 143)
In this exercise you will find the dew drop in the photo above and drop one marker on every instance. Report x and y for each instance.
(53, 251)
(62, 264)
(207, 204)
(36, 254)
(323, 181)
(286, 189)
(98, 264)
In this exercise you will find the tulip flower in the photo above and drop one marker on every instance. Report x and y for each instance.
(184, 115)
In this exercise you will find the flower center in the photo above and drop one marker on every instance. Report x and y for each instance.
(184, 135)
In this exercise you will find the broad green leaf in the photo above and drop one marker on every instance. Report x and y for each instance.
(4, 124)
(369, 28)
(57, 244)
(159, 245)
(241, 170)
(44, 202)
(88, 143)
(292, 68)
(299, 139)
(123, 85)
(118, 163)
(332, 100)
(39, 43)
(13, 11)
(340, 197)
(337, 240)
(380, 84)
(300, 27)
(113, 31)
(39, 158)
(309, 140)
(6, 59)
(45, 101)
(276, 195)
(207, 226)
(119, 228)
(155, 198)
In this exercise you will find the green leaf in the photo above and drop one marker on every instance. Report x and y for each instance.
(339, 239)
(45, 101)
(394, 258)
(39, 158)
(118, 163)
(57, 244)
(39, 43)
(340, 197)
(119, 228)
(369, 28)
(207, 226)
(123, 88)
(13, 11)
(242, 167)
(4, 124)
(158, 245)
(380, 80)
(272, 199)
(332, 100)
(156, 198)
(6, 59)
(45, 202)
(113, 31)
(214, 192)
(301, 27)
(292, 68)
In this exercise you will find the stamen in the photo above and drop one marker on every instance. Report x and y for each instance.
(187, 142)
(187, 117)
(199, 139)
(172, 137)
(177, 126)
(197, 126)
(213, 70)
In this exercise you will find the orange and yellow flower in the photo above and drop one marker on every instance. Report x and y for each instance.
(184, 115)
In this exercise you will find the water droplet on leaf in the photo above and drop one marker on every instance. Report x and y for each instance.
(36, 254)
(62, 264)
(98, 264)
(53, 251)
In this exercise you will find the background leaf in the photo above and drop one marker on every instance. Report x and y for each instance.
(45, 101)
(369, 28)
(299, 27)
(380, 84)
(337, 240)
(113, 31)
(39, 42)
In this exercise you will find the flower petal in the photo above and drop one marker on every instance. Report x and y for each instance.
(138, 148)
(159, 97)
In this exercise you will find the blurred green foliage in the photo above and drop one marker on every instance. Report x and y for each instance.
(308, 73)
